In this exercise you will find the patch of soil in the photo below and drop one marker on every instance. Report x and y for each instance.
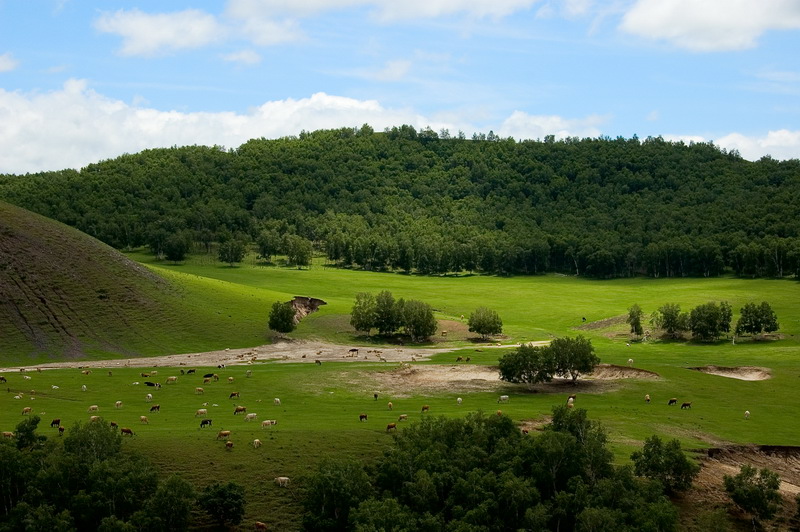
(614, 372)
(303, 306)
(407, 380)
(602, 324)
(744, 373)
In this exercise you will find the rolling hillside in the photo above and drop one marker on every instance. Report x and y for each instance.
(64, 295)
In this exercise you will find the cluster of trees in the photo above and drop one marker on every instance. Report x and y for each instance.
(481, 473)
(389, 315)
(85, 482)
(706, 322)
(564, 357)
(435, 203)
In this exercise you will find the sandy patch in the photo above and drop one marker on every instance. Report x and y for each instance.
(614, 372)
(408, 380)
(744, 373)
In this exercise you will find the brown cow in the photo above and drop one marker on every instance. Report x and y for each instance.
(239, 410)
(26, 411)
(362, 417)
(199, 390)
(233, 394)
(260, 526)
(126, 430)
(229, 445)
(7, 434)
(56, 422)
(686, 405)
(155, 408)
(403, 417)
(391, 426)
(426, 408)
(223, 434)
(61, 431)
(390, 405)
(143, 419)
(673, 401)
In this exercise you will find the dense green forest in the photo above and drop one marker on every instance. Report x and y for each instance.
(430, 202)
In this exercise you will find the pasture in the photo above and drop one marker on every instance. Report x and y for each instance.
(320, 404)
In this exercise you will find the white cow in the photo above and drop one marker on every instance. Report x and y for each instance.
(118, 404)
(268, 422)
(250, 417)
(459, 400)
(282, 481)
(93, 408)
(148, 397)
(277, 401)
(256, 443)
(747, 414)
(502, 399)
(201, 412)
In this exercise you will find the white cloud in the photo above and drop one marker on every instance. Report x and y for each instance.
(710, 25)
(245, 57)
(522, 125)
(387, 10)
(780, 144)
(146, 34)
(7, 62)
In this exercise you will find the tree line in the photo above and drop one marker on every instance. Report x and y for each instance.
(435, 203)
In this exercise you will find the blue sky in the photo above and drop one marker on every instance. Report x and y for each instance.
(86, 80)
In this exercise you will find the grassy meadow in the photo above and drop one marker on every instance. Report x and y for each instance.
(318, 415)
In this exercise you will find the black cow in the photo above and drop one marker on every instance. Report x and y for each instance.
(205, 423)
(208, 375)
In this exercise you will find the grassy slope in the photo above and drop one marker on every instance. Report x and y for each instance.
(318, 416)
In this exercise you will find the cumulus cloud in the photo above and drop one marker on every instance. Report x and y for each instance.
(522, 125)
(7, 62)
(780, 144)
(710, 25)
(150, 34)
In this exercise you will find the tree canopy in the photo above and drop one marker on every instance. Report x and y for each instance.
(485, 322)
(564, 357)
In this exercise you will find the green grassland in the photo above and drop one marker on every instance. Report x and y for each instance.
(318, 415)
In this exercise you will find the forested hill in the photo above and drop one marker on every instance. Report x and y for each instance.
(420, 201)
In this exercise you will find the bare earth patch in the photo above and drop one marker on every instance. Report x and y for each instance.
(614, 372)
(744, 373)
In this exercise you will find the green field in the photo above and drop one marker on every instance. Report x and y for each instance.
(320, 405)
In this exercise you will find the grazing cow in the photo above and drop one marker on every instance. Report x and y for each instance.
(375, 396)
(318, 362)
(276, 402)
(199, 390)
(459, 401)
(250, 417)
(54, 387)
(153, 373)
(3, 379)
(94, 418)
(223, 434)
(126, 430)
(113, 424)
(172, 380)
(230, 380)
(747, 414)
(155, 408)
(647, 398)
(233, 394)
(240, 410)
(256, 443)
(353, 352)
(248, 373)
(499, 412)
(83, 387)
(570, 400)
(362, 417)
(390, 405)
(468, 359)
(205, 423)
(228, 445)
(206, 380)
(403, 417)
(260, 526)
(7, 434)
(86, 372)
(93, 408)
(686, 405)
(61, 431)
(673, 401)
(201, 412)
(573, 397)
(190, 371)
(460, 359)
(391, 426)
(502, 399)
(148, 397)
(630, 361)
(215, 377)
(426, 408)
(55, 423)
(145, 375)
(118, 404)
(268, 422)
(208, 375)
(143, 419)
(283, 482)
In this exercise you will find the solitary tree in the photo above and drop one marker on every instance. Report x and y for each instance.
(573, 356)
(418, 320)
(635, 320)
(754, 491)
(281, 317)
(485, 322)
(666, 463)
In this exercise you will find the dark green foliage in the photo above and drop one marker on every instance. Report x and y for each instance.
(757, 319)
(418, 320)
(298, 250)
(669, 318)
(281, 317)
(481, 473)
(333, 490)
(231, 251)
(485, 322)
(665, 463)
(388, 316)
(435, 203)
(176, 246)
(362, 315)
(268, 243)
(709, 321)
(635, 320)
(225, 503)
(573, 356)
(527, 364)
(755, 492)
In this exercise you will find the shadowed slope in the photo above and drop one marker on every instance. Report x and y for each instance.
(65, 294)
